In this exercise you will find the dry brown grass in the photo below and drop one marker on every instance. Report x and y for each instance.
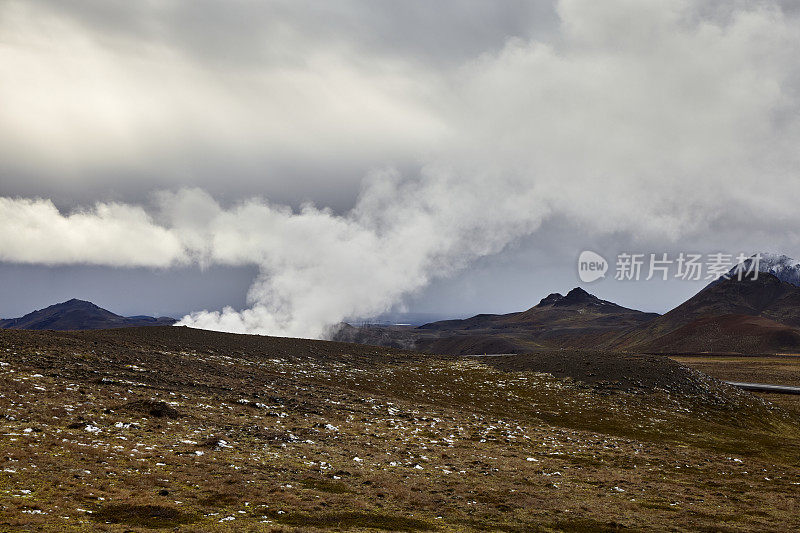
(278, 443)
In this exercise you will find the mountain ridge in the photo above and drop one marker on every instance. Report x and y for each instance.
(75, 314)
(781, 266)
(556, 321)
(727, 314)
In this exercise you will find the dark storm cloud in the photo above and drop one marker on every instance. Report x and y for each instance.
(239, 98)
(244, 32)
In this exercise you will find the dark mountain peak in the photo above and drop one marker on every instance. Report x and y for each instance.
(765, 297)
(748, 296)
(781, 266)
(77, 314)
(550, 299)
(75, 303)
(579, 295)
(703, 322)
(576, 296)
(763, 280)
(575, 319)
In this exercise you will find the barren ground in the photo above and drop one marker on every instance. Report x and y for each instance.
(777, 370)
(135, 430)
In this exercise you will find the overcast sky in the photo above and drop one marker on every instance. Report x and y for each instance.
(305, 162)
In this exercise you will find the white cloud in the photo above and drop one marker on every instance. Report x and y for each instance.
(34, 231)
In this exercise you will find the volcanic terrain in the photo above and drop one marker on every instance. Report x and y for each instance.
(152, 428)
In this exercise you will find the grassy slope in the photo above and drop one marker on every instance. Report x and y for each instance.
(195, 431)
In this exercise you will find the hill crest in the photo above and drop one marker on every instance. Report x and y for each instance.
(75, 314)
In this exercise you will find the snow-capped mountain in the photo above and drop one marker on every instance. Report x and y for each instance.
(781, 266)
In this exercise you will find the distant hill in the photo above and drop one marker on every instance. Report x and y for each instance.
(728, 315)
(729, 333)
(79, 315)
(577, 310)
(575, 319)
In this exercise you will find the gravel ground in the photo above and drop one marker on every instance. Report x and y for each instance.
(171, 428)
